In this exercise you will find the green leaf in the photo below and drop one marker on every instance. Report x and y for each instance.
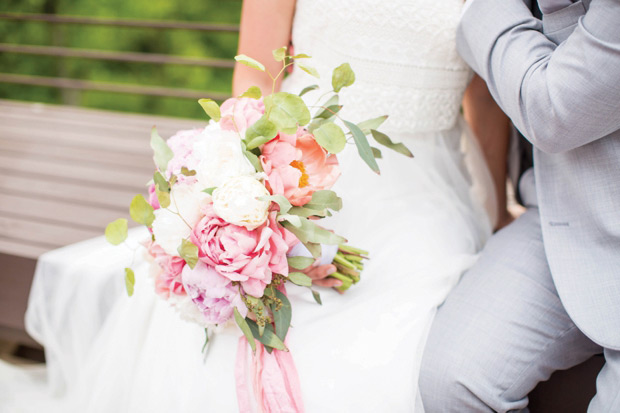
(331, 102)
(316, 123)
(211, 108)
(330, 137)
(308, 89)
(363, 147)
(187, 172)
(254, 161)
(162, 152)
(245, 328)
(309, 69)
(281, 200)
(286, 111)
(299, 262)
(385, 140)
(280, 54)
(300, 278)
(264, 129)
(316, 296)
(248, 61)
(130, 281)
(253, 92)
(116, 231)
(209, 190)
(306, 212)
(162, 184)
(310, 232)
(189, 252)
(369, 124)
(141, 211)
(269, 338)
(329, 112)
(314, 248)
(163, 198)
(325, 198)
(301, 56)
(376, 153)
(342, 76)
(282, 317)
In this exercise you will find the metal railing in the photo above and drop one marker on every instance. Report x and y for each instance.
(132, 57)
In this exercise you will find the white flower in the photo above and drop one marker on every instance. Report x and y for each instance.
(220, 157)
(236, 202)
(172, 224)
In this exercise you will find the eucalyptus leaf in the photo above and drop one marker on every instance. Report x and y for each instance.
(295, 220)
(116, 231)
(141, 211)
(385, 140)
(363, 147)
(245, 328)
(189, 252)
(311, 232)
(314, 248)
(253, 160)
(209, 190)
(309, 69)
(264, 129)
(282, 317)
(376, 152)
(316, 296)
(281, 200)
(332, 101)
(130, 281)
(301, 56)
(325, 198)
(162, 154)
(300, 262)
(187, 172)
(211, 108)
(269, 337)
(162, 183)
(315, 124)
(329, 112)
(248, 61)
(300, 278)
(279, 54)
(342, 76)
(308, 89)
(306, 212)
(253, 92)
(369, 124)
(286, 111)
(331, 137)
(163, 198)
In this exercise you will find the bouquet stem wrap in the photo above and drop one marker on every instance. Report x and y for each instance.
(266, 382)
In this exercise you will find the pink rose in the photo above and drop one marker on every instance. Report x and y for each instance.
(213, 294)
(297, 166)
(250, 257)
(169, 278)
(238, 114)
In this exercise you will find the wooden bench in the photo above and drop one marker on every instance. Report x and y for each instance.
(64, 174)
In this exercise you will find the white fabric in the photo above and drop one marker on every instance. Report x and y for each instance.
(422, 221)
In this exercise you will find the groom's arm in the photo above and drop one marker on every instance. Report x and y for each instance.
(560, 97)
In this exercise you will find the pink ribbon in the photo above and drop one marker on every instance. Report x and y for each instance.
(274, 378)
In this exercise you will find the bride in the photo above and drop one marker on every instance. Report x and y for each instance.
(423, 220)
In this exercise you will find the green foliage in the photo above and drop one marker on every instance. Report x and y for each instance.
(189, 252)
(286, 111)
(300, 262)
(363, 147)
(162, 154)
(116, 232)
(300, 278)
(245, 328)
(342, 76)
(130, 281)
(262, 131)
(141, 211)
(385, 140)
(330, 137)
(211, 108)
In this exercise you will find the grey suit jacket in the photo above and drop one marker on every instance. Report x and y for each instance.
(559, 81)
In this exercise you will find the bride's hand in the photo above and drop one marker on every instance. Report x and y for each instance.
(320, 275)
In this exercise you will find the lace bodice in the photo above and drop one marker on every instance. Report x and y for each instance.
(403, 54)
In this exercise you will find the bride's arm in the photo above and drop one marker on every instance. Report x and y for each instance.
(492, 128)
(265, 25)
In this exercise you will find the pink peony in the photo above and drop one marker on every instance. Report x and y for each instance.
(153, 197)
(297, 166)
(250, 257)
(238, 114)
(182, 146)
(168, 280)
(213, 294)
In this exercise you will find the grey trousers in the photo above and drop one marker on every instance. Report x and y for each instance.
(503, 329)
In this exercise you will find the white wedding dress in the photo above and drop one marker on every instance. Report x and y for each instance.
(423, 221)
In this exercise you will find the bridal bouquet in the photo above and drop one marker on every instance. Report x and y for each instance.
(228, 203)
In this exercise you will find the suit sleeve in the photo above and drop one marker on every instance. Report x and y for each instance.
(560, 97)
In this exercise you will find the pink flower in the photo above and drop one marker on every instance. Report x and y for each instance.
(182, 145)
(168, 280)
(297, 166)
(153, 197)
(238, 114)
(250, 257)
(213, 294)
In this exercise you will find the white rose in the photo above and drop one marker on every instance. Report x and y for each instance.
(236, 202)
(169, 228)
(220, 157)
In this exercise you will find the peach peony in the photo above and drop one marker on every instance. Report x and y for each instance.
(297, 166)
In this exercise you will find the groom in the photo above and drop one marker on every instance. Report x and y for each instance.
(545, 294)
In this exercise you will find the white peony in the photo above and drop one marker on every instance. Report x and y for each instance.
(236, 202)
(169, 228)
(220, 157)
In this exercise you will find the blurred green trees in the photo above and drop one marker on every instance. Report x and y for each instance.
(171, 42)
